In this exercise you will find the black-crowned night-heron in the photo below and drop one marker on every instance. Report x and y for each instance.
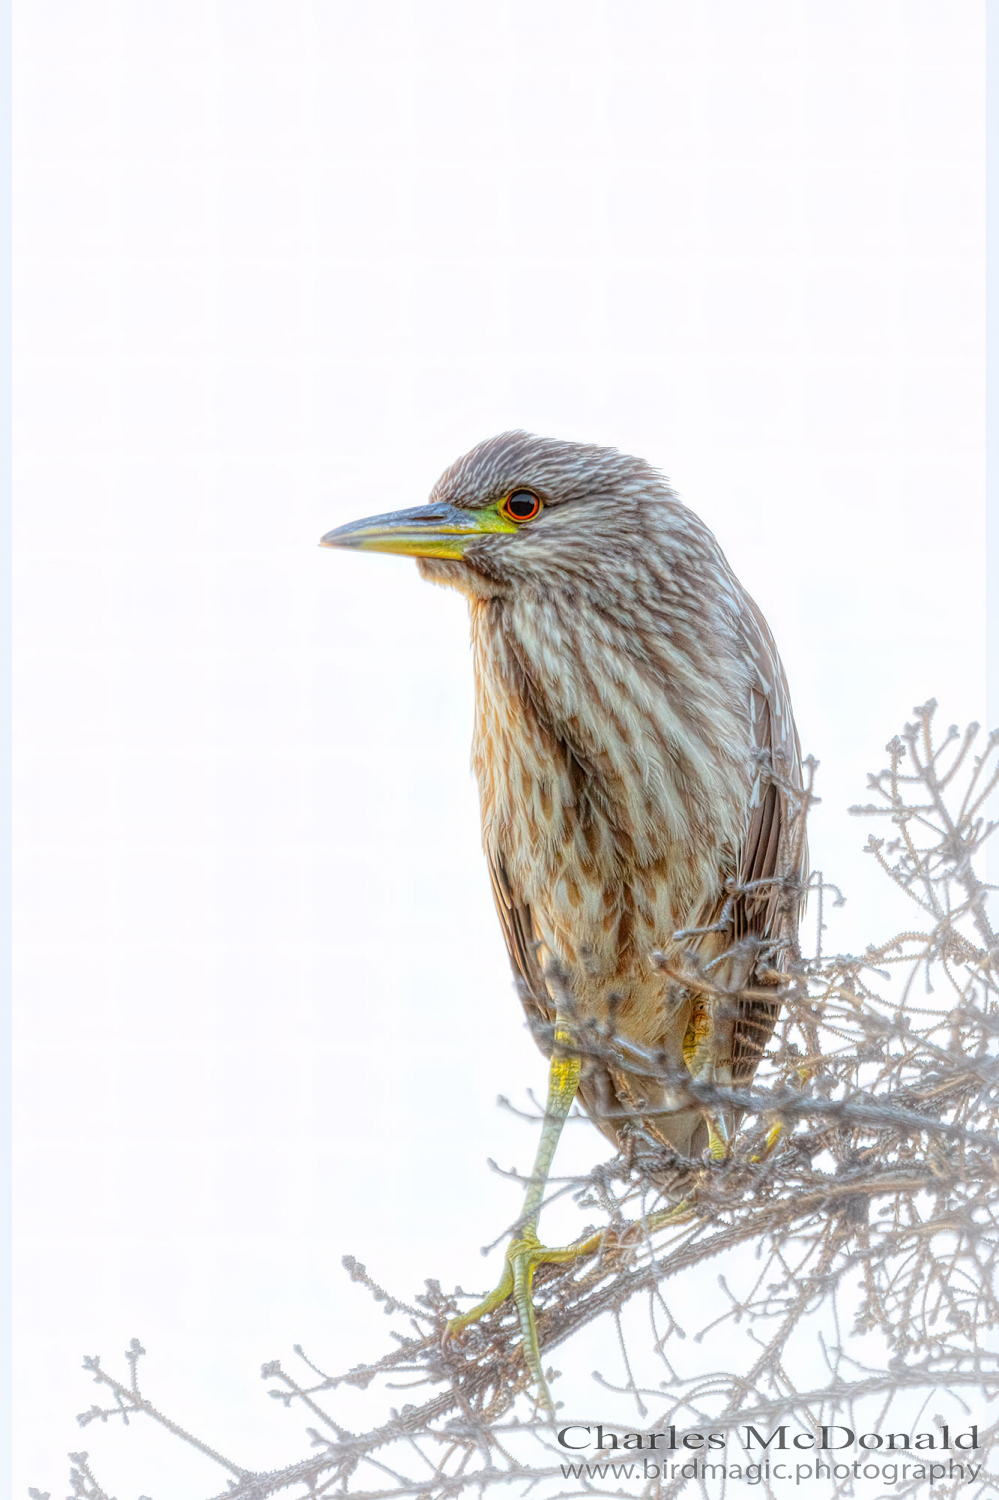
(637, 760)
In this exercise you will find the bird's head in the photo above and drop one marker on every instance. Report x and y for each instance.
(520, 510)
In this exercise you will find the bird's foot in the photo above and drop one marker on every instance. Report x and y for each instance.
(773, 1136)
(718, 1142)
(678, 1214)
(700, 1045)
(805, 1074)
(523, 1255)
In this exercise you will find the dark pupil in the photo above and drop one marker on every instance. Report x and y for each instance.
(522, 504)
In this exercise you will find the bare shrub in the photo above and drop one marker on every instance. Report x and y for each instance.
(867, 1299)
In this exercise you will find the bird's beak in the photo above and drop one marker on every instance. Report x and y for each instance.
(426, 531)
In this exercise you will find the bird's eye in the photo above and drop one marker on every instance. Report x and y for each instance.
(521, 505)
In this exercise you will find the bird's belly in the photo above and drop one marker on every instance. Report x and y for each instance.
(605, 938)
(609, 968)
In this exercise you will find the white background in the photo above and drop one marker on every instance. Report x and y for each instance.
(277, 265)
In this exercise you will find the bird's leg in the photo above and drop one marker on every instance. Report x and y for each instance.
(700, 1048)
(525, 1251)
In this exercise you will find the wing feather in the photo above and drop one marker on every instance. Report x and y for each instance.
(521, 942)
(773, 852)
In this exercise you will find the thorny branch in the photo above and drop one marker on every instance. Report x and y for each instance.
(882, 1076)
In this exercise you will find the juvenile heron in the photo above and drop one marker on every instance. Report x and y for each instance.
(637, 762)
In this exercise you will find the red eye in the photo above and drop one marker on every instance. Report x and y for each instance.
(521, 505)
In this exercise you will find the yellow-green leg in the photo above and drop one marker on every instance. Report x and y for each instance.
(525, 1251)
(700, 1047)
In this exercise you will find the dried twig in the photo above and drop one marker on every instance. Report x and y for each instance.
(872, 1219)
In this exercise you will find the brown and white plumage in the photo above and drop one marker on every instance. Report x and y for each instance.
(636, 759)
(638, 768)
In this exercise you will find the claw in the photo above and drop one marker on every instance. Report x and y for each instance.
(772, 1137)
(523, 1256)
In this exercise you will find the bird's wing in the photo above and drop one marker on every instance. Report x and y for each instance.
(521, 943)
(773, 850)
